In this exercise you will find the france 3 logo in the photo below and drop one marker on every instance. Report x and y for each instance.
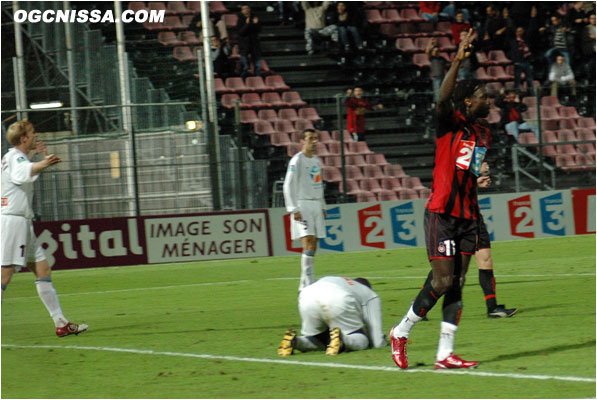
(371, 227)
(404, 228)
(334, 239)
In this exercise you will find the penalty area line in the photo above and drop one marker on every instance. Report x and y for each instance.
(309, 363)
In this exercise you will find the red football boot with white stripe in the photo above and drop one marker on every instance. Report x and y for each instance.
(71, 329)
(399, 350)
(455, 362)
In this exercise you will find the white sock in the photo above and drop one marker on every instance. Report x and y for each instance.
(48, 296)
(307, 271)
(446, 340)
(406, 325)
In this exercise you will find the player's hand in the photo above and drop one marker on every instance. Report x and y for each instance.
(484, 170)
(348, 92)
(484, 181)
(298, 216)
(255, 20)
(41, 147)
(380, 106)
(325, 213)
(465, 48)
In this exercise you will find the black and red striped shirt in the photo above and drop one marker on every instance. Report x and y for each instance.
(460, 146)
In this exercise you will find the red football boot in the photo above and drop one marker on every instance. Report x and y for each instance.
(71, 329)
(399, 350)
(455, 362)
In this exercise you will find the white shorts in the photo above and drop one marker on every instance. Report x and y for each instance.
(313, 223)
(325, 306)
(19, 244)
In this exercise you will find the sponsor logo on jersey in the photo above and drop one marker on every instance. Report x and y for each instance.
(315, 174)
(5, 202)
(21, 159)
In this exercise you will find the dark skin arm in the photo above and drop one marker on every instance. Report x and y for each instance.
(444, 105)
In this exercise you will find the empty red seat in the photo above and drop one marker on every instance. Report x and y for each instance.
(386, 195)
(321, 150)
(370, 185)
(568, 113)
(331, 174)
(410, 15)
(586, 149)
(268, 115)
(421, 43)
(584, 161)
(216, 7)
(395, 171)
(235, 53)
(586, 123)
(527, 138)
(283, 125)
(444, 27)
(425, 29)
(566, 149)
(173, 23)
(256, 84)
(228, 100)
(276, 82)
(407, 194)
(300, 124)
(137, 6)
(406, 45)
(376, 159)
(263, 128)
(352, 187)
(565, 123)
(183, 54)
(293, 148)
(359, 148)
(345, 136)
(220, 87)
(236, 85)
(177, 7)
(353, 172)
(497, 72)
(551, 101)
(324, 137)
(189, 38)
(445, 44)
(156, 6)
(413, 182)
(374, 17)
(391, 15)
(169, 39)
(356, 159)
(421, 60)
(484, 76)
(566, 135)
(280, 139)
(585, 134)
(424, 193)
(374, 171)
(288, 113)
(248, 117)
(530, 101)
(273, 99)
(251, 100)
(548, 113)
(309, 113)
(294, 99)
(391, 184)
(497, 57)
(366, 197)
(407, 29)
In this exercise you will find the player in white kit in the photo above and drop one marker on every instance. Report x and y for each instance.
(337, 314)
(303, 195)
(19, 244)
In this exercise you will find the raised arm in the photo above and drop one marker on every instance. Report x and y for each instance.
(444, 104)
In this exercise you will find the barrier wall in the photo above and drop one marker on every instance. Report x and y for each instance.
(261, 233)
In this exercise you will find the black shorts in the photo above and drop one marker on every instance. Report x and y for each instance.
(484, 241)
(446, 236)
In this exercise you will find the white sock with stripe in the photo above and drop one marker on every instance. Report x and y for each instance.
(49, 297)
(446, 340)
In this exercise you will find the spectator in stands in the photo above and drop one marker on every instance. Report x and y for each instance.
(493, 31)
(449, 12)
(576, 18)
(215, 20)
(315, 23)
(248, 28)
(430, 11)
(557, 35)
(357, 106)
(560, 73)
(520, 54)
(512, 109)
(458, 26)
(288, 11)
(588, 48)
(346, 21)
(219, 55)
(438, 67)
(508, 22)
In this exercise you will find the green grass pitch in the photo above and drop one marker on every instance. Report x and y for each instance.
(211, 329)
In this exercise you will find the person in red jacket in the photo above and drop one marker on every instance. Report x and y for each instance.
(357, 106)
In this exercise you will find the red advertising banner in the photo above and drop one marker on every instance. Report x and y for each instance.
(583, 204)
(155, 239)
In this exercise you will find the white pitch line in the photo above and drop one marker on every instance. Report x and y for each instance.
(310, 363)
(276, 279)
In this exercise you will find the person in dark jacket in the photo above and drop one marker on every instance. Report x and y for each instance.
(520, 54)
(346, 21)
(248, 28)
(512, 109)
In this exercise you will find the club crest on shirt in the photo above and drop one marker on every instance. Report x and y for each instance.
(292, 168)
(21, 159)
(315, 174)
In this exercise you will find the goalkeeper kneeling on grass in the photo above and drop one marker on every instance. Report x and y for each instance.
(338, 314)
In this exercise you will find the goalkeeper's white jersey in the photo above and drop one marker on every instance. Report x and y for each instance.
(17, 184)
(303, 181)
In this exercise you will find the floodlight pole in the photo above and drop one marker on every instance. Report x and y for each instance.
(213, 131)
(68, 33)
(19, 67)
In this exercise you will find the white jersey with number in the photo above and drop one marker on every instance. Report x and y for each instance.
(335, 301)
(303, 181)
(17, 184)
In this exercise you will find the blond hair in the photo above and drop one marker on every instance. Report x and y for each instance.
(16, 131)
